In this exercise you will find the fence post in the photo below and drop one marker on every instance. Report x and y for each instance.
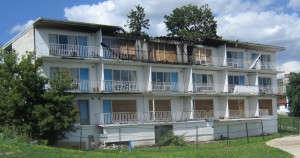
(197, 136)
(119, 137)
(129, 146)
(247, 132)
(228, 141)
(80, 138)
(262, 129)
(298, 127)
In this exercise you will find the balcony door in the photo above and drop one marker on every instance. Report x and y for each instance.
(203, 82)
(165, 81)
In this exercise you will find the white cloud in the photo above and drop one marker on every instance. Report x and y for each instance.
(294, 4)
(21, 27)
(290, 66)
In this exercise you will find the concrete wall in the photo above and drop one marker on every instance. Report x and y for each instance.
(24, 43)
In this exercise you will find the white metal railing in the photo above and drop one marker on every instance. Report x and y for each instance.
(209, 61)
(236, 63)
(264, 113)
(157, 116)
(86, 86)
(120, 86)
(203, 88)
(242, 89)
(164, 86)
(74, 50)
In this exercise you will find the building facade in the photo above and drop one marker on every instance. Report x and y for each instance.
(139, 88)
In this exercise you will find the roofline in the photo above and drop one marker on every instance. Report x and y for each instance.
(41, 20)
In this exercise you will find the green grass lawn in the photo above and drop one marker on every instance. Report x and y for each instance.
(238, 148)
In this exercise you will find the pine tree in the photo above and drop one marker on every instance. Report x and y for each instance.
(137, 21)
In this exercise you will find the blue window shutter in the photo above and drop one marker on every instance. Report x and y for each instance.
(174, 82)
(108, 80)
(84, 112)
(84, 79)
(242, 80)
(193, 78)
(107, 111)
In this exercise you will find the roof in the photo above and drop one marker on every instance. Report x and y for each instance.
(239, 44)
(67, 25)
(281, 102)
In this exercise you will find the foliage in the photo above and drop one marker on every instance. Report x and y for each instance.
(191, 22)
(14, 133)
(171, 139)
(293, 93)
(237, 148)
(27, 104)
(137, 21)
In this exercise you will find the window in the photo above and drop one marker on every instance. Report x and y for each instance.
(264, 81)
(120, 80)
(202, 55)
(203, 78)
(236, 80)
(263, 57)
(70, 40)
(124, 75)
(67, 72)
(164, 81)
(162, 52)
(235, 59)
(84, 112)
(110, 43)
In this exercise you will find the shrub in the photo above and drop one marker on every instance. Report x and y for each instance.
(171, 139)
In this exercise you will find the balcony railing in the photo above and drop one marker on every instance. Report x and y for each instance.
(122, 54)
(242, 89)
(121, 86)
(203, 88)
(86, 86)
(157, 116)
(236, 114)
(67, 50)
(264, 113)
(164, 86)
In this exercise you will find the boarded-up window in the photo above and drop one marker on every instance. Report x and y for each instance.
(162, 52)
(202, 54)
(127, 47)
(236, 104)
(123, 106)
(160, 105)
(204, 105)
(266, 104)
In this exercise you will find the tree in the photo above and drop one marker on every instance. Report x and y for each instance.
(137, 21)
(26, 102)
(293, 93)
(191, 22)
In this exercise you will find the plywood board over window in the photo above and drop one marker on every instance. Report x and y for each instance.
(123, 106)
(266, 104)
(160, 105)
(170, 53)
(127, 47)
(162, 52)
(236, 104)
(204, 105)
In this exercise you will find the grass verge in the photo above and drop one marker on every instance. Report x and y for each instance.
(238, 148)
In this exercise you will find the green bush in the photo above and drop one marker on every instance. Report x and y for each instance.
(173, 140)
(15, 133)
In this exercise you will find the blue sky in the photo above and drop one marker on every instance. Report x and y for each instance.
(274, 22)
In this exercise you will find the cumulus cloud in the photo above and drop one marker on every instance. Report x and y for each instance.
(294, 4)
(290, 66)
(21, 27)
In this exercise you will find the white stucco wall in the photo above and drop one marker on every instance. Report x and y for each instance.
(24, 43)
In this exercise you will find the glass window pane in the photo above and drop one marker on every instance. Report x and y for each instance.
(105, 42)
(159, 77)
(230, 79)
(72, 40)
(198, 78)
(242, 80)
(229, 54)
(210, 79)
(53, 72)
(259, 81)
(124, 75)
(204, 78)
(74, 73)
(167, 77)
(82, 40)
(63, 39)
(132, 76)
(116, 75)
(53, 38)
(153, 76)
(236, 80)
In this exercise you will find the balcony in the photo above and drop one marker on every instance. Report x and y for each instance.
(203, 88)
(272, 90)
(149, 117)
(242, 89)
(264, 113)
(121, 86)
(164, 86)
(86, 86)
(65, 50)
(120, 54)
(209, 61)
